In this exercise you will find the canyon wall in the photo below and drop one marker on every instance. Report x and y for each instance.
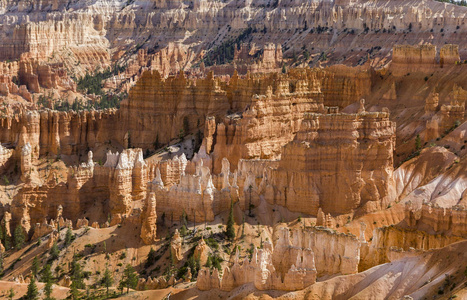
(438, 220)
(155, 105)
(342, 85)
(392, 243)
(422, 58)
(352, 152)
(53, 132)
(255, 126)
(406, 59)
(185, 104)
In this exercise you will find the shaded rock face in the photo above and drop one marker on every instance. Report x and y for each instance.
(68, 133)
(392, 243)
(422, 58)
(5, 155)
(438, 220)
(294, 263)
(250, 58)
(328, 163)
(424, 228)
(155, 105)
(406, 59)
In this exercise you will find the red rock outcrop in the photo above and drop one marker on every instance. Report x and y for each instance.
(176, 247)
(449, 55)
(326, 147)
(148, 220)
(392, 243)
(342, 85)
(406, 59)
(67, 133)
(438, 220)
(269, 122)
(201, 252)
(431, 103)
(153, 104)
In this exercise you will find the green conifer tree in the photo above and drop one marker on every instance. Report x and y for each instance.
(18, 237)
(107, 280)
(11, 293)
(230, 230)
(68, 236)
(54, 252)
(35, 266)
(48, 279)
(129, 279)
(32, 293)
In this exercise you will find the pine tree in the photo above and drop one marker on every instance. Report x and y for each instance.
(183, 231)
(7, 242)
(77, 281)
(77, 275)
(121, 286)
(130, 278)
(418, 143)
(107, 279)
(48, 279)
(32, 293)
(35, 266)
(1, 262)
(230, 231)
(54, 252)
(171, 260)
(74, 292)
(11, 293)
(151, 258)
(68, 236)
(184, 219)
(209, 262)
(18, 237)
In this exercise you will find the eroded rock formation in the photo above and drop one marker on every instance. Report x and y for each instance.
(292, 264)
(326, 146)
(148, 220)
